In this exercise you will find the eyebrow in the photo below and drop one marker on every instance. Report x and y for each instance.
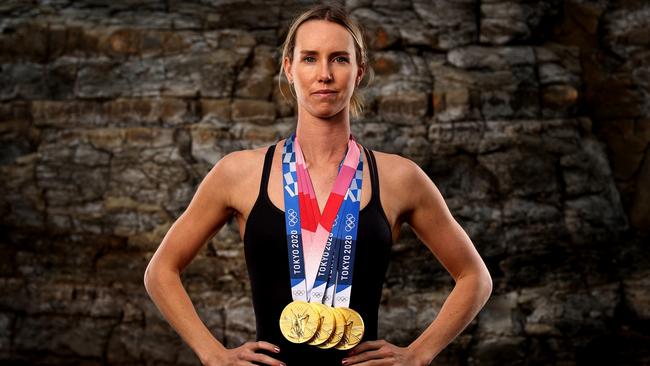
(312, 52)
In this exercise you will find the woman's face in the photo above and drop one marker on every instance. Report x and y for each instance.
(323, 58)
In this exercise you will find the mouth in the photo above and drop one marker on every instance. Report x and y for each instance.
(324, 93)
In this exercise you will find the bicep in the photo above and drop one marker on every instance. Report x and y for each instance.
(206, 214)
(435, 226)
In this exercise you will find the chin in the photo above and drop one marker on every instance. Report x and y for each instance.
(326, 112)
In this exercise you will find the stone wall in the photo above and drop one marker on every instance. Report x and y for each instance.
(532, 117)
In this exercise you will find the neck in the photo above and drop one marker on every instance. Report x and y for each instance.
(323, 141)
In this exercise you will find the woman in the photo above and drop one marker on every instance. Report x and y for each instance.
(324, 60)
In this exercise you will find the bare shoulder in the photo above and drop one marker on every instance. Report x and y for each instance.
(394, 162)
(397, 171)
(238, 163)
(232, 175)
(405, 185)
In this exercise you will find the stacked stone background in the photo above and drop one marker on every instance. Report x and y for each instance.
(532, 117)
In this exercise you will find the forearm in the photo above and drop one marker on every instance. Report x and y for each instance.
(167, 292)
(464, 302)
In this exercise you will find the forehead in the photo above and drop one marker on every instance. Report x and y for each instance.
(324, 36)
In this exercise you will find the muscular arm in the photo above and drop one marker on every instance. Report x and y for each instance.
(422, 206)
(435, 226)
(208, 211)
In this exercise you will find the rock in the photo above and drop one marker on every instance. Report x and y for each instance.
(5, 331)
(380, 30)
(496, 318)
(53, 334)
(559, 96)
(256, 81)
(487, 57)
(204, 142)
(217, 110)
(640, 210)
(628, 140)
(496, 351)
(404, 108)
(508, 21)
(24, 80)
(530, 118)
(636, 295)
(253, 111)
(240, 322)
(452, 21)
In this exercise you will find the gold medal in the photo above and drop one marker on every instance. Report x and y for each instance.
(339, 328)
(353, 331)
(299, 321)
(327, 324)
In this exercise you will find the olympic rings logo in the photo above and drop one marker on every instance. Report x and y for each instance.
(299, 292)
(293, 217)
(349, 222)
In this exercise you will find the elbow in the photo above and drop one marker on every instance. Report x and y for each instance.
(149, 277)
(158, 274)
(486, 283)
(480, 281)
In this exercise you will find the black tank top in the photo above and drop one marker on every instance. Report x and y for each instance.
(265, 250)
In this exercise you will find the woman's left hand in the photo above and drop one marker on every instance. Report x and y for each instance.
(376, 353)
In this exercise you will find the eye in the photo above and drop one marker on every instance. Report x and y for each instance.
(341, 58)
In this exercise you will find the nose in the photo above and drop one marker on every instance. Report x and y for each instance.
(325, 74)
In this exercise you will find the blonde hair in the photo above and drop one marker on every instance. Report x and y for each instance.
(335, 14)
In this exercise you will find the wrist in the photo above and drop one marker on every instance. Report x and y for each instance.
(420, 354)
(213, 353)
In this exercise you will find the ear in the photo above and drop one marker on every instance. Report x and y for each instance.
(287, 69)
(361, 71)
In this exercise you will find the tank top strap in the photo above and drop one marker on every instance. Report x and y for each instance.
(374, 177)
(266, 171)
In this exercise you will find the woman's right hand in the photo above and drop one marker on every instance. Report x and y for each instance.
(245, 355)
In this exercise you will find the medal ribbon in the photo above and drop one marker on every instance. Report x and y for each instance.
(344, 245)
(312, 237)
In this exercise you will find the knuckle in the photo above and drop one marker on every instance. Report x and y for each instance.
(383, 352)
